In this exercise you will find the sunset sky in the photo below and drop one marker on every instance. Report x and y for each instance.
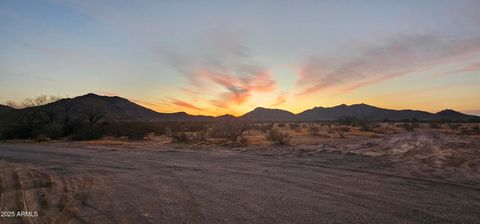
(217, 57)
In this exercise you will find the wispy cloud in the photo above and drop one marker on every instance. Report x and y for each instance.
(228, 65)
(240, 88)
(184, 104)
(281, 98)
(474, 112)
(145, 103)
(469, 68)
(118, 17)
(397, 57)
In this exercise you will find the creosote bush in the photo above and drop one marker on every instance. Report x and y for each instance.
(179, 137)
(434, 125)
(263, 127)
(278, 137)
(454, 126)
(313, 130)
(410, 126)
(229, 129)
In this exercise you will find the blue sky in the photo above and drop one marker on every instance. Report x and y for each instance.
(216, 57)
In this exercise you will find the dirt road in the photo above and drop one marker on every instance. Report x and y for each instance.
(71, 184)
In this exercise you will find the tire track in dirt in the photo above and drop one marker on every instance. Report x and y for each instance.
(318, 165)
(57, 200)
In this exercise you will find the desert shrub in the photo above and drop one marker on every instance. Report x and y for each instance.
(186, 137)
(53, 131)
(349, 121)
(278, 137)
(189, 126)
(132, 130)
(243, 140)
(434, 125)
(328, 124)
(410, 126)
(463, 131)
(229, 129)
(42, 138)
(344, 129)
(313, 130)
(281, 125)
(87, 133)
(365, 126)
(263, 127)
(179, 137)
(137, 134)
(17, 131)
(267, 127)
(454, 126)
(294, 126)
(475, 129)
(199, 136)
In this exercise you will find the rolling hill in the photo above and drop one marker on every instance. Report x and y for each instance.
(361, 111)
(5, 108)
(110, 107)
(121, 109)
(265, 114)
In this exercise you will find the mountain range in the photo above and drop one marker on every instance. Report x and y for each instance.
(117, 108)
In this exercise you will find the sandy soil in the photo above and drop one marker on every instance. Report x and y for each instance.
(404, 178)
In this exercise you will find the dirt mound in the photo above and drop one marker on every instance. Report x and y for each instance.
(427, 153)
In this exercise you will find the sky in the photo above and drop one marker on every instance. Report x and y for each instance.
(228, 57)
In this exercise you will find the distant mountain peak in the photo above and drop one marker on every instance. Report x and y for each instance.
(267, 114)
(91, 94)
(264, 108)
(448, 111)
(118, 108)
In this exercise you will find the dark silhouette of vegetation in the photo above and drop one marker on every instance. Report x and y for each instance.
(33, 102)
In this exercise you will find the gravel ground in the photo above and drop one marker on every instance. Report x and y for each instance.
(71, 184)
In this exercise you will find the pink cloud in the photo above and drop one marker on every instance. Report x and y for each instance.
(398, 57)
(239, 88)
(228, 65)
(145, 103)
(185, 104)
(468, 68)
(281, 98)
